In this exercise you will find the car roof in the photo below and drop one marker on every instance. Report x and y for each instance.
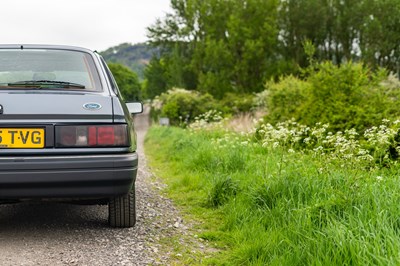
(45, 46)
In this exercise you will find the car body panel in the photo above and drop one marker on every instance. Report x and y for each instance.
(54, 107)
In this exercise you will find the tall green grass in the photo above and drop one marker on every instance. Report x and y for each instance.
(272, 207)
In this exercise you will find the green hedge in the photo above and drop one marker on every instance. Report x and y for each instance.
(346, 96)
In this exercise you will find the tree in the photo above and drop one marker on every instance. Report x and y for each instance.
(222, 45)
(381, 37)
(234, 46)
(127, 80)
(341, 30)
(155, 78)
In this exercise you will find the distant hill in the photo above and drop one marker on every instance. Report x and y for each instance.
(134, 56)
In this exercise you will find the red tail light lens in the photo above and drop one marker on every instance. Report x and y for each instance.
(92, 136)
(105, 136)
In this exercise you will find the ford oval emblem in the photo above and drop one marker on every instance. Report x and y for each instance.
(92, 106)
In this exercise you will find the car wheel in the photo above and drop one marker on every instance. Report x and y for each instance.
(122, 210)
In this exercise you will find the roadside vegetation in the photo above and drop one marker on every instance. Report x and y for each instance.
(286, 195)
(314, 181)
(348, 96)
(284, 127)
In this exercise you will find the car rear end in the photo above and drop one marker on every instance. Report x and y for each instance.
(65, 133)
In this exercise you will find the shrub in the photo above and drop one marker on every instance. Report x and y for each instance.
(237, 103)
(345, 96)
(182, 106)
(285, 98)
(210, 119)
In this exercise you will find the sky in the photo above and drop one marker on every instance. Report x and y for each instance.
(94, 24)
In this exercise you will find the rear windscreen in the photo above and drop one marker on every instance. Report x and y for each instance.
(47, 68)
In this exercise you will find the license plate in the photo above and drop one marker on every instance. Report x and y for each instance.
(21, 138)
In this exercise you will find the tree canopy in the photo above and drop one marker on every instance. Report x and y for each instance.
(127, 80)
(223, 46)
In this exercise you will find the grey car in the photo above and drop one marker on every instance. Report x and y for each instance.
(65, 132)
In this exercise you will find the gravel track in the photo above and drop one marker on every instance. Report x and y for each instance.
(63, 234)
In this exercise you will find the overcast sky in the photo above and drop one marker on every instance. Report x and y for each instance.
(94, 24)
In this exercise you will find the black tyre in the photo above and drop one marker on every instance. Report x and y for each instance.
(122, 211)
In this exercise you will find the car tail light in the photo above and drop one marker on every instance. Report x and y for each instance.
(92, 136)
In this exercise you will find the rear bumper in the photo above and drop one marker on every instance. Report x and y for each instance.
(86, 176)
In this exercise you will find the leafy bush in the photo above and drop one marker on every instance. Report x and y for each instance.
(346, 96)
(236, 103)
(210, 119)
(285, 99)
(182, 106)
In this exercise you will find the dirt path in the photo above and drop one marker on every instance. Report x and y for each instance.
(61, 234)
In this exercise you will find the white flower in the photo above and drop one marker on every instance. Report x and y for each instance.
(318, 149)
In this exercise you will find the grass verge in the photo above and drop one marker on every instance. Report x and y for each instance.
(262, 206)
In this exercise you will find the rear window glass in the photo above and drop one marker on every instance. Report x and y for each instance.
(47, 69)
